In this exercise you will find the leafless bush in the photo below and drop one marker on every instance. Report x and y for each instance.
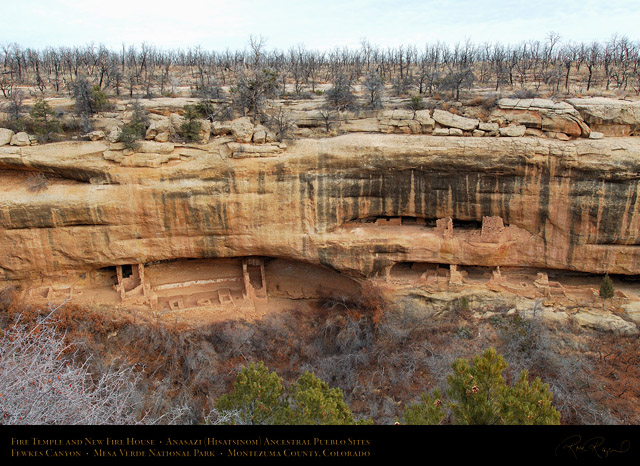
(280, 122)
(198, 363)
(525, 94)
(374, 85)
(216, 417)
(8, 295)
(573, 390)
(610, 65)
(399, 325)
(41, 382)
(487, 102)
(329, 118)
(340, 370)
(37, 182)
(340, 96)
(526, 342)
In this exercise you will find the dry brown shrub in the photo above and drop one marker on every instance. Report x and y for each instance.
(9, 301)
(475, 101)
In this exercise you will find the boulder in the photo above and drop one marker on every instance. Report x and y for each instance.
(175, 123)
(162, 137)
(96, 135)
(241, 151)
(205, 131)
(158, 127)
(113, 155)
(586, 130)
(362, 125)
(20, 139)
(260, 134)
(397, 115)
(544, 114)
(632, 311)
(489, 127)
(538, 133)
(528, 118)
(542, 105)
(561, 124)
(242, 129)
(114, 134)
(612, 117)
(559, 136)
(5, 136)
(596, 135)
(154, 147)
(426, 122)
(414, 127)
(513, 131)
(605, 321)
(441, 132)
(455, 121)
(219, 128)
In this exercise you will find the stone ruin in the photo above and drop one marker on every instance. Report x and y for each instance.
(492, 229)
(248, 287)
(450, 277)
(444, 226)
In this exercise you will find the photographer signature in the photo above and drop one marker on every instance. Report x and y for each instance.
(594, 445)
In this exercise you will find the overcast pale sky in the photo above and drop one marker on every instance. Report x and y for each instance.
(222, 24)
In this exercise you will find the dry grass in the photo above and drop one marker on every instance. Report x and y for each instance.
(381, 357)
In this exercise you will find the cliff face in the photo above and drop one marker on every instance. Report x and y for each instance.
(357, 203)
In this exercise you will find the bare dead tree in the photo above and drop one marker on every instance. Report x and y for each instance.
(42, 381)
(280, 122)
(374, 86)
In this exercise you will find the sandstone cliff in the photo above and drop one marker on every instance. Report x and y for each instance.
(357, 203)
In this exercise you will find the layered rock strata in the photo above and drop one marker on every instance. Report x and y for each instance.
(358, 204)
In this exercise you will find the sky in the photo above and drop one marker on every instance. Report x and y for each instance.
(317, 25)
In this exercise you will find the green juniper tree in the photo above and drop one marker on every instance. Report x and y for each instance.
(429, 411)
(476, 390)
(314, 402)
(260, 397)
(416, 103)
(45, 124)
(529, 403)
(136, 128)
(192, 125)
(606, 290)
(257, 396)
(88, 100)
(478, 394)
